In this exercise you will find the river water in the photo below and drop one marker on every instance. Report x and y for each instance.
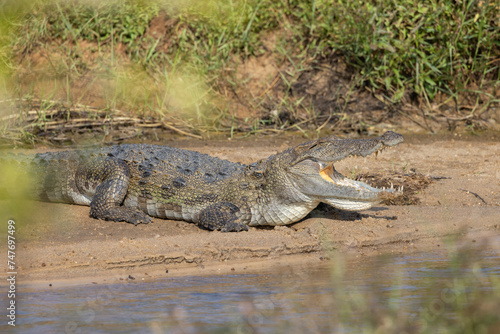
(339, 295)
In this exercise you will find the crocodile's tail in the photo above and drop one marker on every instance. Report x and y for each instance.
(15, 180)
(44, 177)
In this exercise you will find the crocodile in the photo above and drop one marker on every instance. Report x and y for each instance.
(135, 182)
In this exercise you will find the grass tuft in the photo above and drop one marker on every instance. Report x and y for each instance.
(441, 54)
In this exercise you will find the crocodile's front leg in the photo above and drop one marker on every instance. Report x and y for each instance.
(106, 181)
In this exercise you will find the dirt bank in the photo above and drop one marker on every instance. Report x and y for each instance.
(64, 245)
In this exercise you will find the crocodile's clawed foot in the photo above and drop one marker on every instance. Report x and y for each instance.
(138, 217)
(234, 227)
(118, 214)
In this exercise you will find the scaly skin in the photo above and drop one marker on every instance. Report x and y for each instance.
(134, 182)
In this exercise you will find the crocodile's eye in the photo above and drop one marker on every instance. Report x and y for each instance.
(257, 175)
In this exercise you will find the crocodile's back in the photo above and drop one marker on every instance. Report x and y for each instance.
(164, 159)
(53, 174)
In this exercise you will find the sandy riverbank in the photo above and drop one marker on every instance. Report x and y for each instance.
(64, 246)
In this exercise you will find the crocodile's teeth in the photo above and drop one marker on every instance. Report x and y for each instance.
(392, 186)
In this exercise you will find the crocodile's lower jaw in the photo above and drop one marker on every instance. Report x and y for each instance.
(349, 205)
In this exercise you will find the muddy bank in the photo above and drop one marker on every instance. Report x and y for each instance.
(63, 245)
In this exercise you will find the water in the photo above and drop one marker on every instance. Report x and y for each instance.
(302, 299)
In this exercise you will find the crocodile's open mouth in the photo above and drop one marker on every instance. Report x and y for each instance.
(330, 174)
(351, 194)
(327, 173)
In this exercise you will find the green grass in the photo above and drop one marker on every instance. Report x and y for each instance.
(443, 52)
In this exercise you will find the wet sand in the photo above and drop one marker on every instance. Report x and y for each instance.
(62, 245)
